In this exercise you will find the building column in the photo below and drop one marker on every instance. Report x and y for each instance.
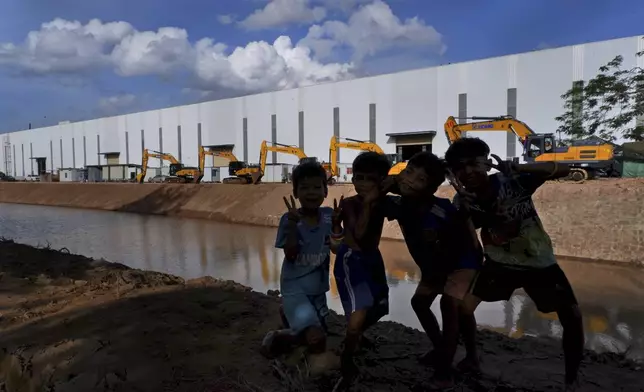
(300, 127)
(372, 122)
(462, 110)
(245, 137)
(336, 126)
(512, 111)
(273, 137)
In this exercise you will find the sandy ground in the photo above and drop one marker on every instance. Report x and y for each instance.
(69, 323)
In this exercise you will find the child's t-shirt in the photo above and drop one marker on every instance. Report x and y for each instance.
(511, 230)
(309, 272)
(438, 240)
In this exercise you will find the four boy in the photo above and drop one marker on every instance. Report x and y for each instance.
(441, 238)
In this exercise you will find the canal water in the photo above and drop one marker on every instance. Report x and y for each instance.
(611, 297)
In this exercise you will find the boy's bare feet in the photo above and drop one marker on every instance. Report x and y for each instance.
(267, 345)
(349, 372)
(431, 358)
(441, 383)
(571, 387)
(469, 366)
(366, 344)
(322, 363)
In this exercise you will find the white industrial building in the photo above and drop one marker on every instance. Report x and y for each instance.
(403, 112)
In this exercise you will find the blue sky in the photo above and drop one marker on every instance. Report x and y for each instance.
(78, 76)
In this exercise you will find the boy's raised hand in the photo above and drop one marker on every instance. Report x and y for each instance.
(505, 167)
(293, 213)
(465, 198)
(388, 184)
(337, 211)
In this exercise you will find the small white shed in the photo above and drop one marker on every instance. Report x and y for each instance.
(71, 175)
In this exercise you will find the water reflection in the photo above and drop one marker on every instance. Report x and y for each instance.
(611, 297)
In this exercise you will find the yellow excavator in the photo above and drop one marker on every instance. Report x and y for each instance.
(240, 172)
(265, 148)
(252, 174)
(336, 143)
(178, 172)
(587, 159)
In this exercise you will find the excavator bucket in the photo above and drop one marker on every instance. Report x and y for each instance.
(397, 168)
(256, 176)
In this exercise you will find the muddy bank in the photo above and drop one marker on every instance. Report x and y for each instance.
(599, 220)
(69, 323)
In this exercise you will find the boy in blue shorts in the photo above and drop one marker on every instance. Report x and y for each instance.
(445, 247)
(359, 269)
(306, 236)
(519, 252)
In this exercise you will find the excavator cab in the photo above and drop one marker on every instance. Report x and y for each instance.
(174, 168)
(234, 167)
(392, 158)
(538, 144)
(308, 160)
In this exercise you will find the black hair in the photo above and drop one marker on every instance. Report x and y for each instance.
(466, 148)
(372, 162)
(429, 162)
(308, 170)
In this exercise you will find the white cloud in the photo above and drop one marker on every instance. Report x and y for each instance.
(342, 5)
(116, 103)
(262, 66)
(149, 52)
(71, 49)
(68, 46)
(279, 13)
(371, 29)
(65, 46)
(226, 19)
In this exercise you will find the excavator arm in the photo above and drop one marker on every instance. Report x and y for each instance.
(361, 145)
(352, 144)
(280, 148)
(144, 167)
(223, 151)
(585, 160)
(147, 154)
(227, 154)
(454, 131)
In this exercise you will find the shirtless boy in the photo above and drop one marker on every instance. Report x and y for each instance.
(359, 268)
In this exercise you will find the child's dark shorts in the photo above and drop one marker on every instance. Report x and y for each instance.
(361, 280)
(548, 287)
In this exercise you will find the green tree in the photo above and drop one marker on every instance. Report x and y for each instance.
(607, 105)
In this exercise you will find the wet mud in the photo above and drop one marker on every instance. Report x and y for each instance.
(69, 323)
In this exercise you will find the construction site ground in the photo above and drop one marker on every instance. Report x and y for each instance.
(69, 323)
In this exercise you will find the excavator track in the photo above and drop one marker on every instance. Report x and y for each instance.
(578, 175)
(234, 180)
(175, 180)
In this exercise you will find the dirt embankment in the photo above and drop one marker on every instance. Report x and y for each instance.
(600, 220)
(69, 323)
